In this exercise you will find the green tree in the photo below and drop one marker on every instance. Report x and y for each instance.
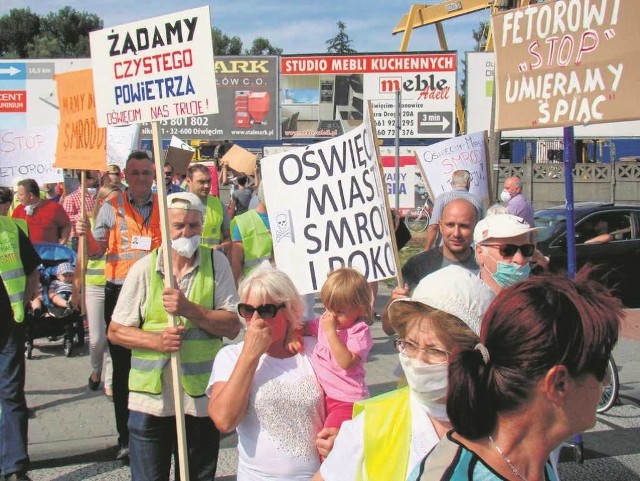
(70, 31)
(17, 29)
(341, 43)
(224, 44)
(65, 34)
(262, 46)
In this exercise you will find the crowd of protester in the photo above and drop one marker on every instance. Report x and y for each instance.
(497, 367)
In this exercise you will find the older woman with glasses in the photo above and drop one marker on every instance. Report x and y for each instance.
(390, 433)
(534, 381)
(267, 394)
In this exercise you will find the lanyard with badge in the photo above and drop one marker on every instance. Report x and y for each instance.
(141, 242)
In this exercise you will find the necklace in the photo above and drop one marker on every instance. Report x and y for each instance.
(511, 466)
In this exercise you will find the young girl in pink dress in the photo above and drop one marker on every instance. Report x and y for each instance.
(344, 342)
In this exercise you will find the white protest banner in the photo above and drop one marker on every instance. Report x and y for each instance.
(467, 152)
(29, 154)
(154, 69)
(121, 141)
(327, 209)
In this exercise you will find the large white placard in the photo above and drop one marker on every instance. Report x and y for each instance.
(28, 154)
(467, 152)
(327, 209)
(154, 69)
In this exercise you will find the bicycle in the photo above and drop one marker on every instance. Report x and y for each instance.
(417, 219)
(612, 386)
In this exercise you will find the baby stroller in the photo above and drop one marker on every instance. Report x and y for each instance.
(52, 321)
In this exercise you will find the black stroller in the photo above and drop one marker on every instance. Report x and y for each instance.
(51, 321)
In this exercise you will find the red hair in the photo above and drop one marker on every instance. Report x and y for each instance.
(539, 323)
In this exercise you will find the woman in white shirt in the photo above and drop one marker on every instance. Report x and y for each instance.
(267, 394)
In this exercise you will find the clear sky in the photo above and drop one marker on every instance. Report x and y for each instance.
(296, 26)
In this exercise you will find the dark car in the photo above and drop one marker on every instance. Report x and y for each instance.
(607, 235)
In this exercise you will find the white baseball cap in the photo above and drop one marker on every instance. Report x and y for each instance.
(500, 226)
(185, 201)
(456, 291)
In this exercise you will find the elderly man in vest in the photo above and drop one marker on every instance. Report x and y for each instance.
(251, 236)
(215, 233)
(205, 302)
(127, 228)
(19, 280)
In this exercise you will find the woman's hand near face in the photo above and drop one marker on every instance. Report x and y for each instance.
(257, 338)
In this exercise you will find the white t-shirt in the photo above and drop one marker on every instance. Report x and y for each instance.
(347, 458)
(285, 412)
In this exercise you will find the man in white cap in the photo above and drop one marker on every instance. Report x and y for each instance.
(505, 246)
(205, 302)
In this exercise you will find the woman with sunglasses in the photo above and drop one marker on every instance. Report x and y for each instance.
(269, 395)
(390, 433)
(534, 381)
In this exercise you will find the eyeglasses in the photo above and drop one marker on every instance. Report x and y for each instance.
(509, 250)
(432, 354)
(265, 311)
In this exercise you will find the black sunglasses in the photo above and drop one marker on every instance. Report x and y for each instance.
(509, 250)
(265, 311)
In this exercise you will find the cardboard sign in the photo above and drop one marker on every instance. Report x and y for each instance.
(159, 68)
(327, 210)
(81, 143)
(567, 63)
(28, 154)
(179, 155)
(468, 152)
(240, 160)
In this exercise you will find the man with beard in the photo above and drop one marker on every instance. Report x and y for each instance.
(456, 225)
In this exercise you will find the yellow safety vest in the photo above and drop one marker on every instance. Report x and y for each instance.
(213, 219)
(11, 268)
(386, 436)
(199, 348)
(24, 227)
(256, 240)
(94, 275)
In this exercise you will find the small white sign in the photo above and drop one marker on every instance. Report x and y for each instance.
(155, 69)
(467, 152)
(28, 154)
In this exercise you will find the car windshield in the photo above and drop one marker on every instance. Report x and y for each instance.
(549, 221)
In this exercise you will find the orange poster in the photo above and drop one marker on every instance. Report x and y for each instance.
(81, 143)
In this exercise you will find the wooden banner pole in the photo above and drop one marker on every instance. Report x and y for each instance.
(169, 281)
(82, 245)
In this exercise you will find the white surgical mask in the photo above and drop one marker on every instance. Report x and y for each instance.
(505, 196)
(92, 191)
(428, 384)
(186, 246)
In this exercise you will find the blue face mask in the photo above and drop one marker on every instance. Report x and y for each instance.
(508, 273)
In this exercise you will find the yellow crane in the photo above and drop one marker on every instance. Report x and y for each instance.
(421, 15)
